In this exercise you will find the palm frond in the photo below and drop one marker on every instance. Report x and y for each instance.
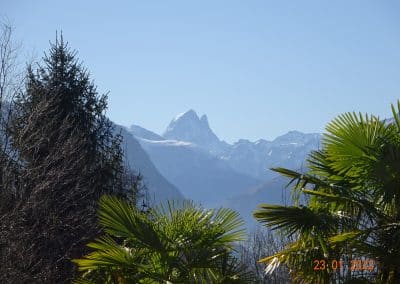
(178, 242)
(111, 255)
(232, 225)
(346, 237)
(300, 181)
(121, 219)
(396, 115)
(295, 219)
(351, 141)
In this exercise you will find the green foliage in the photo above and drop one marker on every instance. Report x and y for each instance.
(177, 243)
(353, 188)
(68, 156)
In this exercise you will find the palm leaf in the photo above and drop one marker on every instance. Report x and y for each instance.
(178, 242)
(121, 219)
(294, 219)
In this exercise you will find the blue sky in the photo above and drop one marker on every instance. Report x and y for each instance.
(257, 68)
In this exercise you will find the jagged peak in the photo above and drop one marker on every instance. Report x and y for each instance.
(187, 114)
(204, 119)
(188, 126)
(295, 136)
(262, 142)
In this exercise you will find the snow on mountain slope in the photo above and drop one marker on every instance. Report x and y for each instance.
(175, 143)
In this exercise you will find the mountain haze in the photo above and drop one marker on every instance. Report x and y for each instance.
(208, 170)
(198, 174)
(273, 191)
(256, 158)
(138, 131)
(160, 189)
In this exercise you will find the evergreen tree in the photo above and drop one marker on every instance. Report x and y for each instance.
(69, 157)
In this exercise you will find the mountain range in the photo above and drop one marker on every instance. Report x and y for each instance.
(192, 162)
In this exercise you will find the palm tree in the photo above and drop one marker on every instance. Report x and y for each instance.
(352, 213)
(178, 243)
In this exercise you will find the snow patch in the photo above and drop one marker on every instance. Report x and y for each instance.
(175, 143)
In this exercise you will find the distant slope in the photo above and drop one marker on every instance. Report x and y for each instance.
(141, 132)
(272, 192)
(215, 173)
(160, 189)
(198, 174)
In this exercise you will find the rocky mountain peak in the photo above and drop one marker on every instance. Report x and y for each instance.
(189, 127)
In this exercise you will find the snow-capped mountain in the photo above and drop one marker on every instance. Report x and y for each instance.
(189, 127)
(256, 158)
(194, 160)
(213, 172)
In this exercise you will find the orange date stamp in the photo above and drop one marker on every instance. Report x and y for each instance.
(359, 264)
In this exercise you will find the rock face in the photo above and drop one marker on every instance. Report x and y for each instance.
(189, 127)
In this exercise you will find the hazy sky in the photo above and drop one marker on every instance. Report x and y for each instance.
(257, 68)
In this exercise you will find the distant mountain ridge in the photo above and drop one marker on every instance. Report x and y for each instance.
(204, 168)
(256, 158)
(209, 170)
(246, 157)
